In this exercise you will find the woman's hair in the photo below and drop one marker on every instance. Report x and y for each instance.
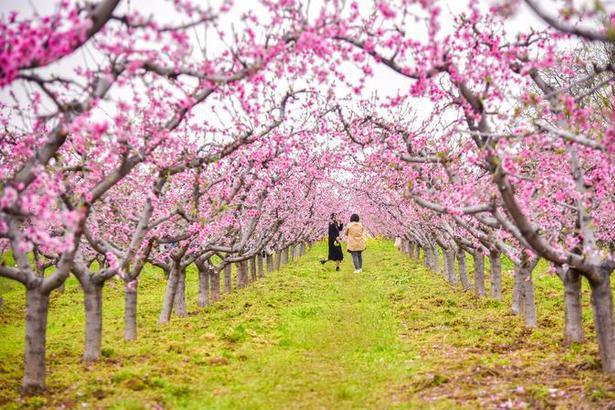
(333, 215)
(354, 218)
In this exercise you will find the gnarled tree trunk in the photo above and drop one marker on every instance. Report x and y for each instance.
(259, 266)
(179, 301)
(37, 309)
(92, 295)
(253, 275)
(449, 265)
(523, 292)
(602, 305)
(214, 282)
(242, 274)
(169, 295)
(228, 286)
(130, 309)
(429, 258)
(495, 271)
(529, 307)
(573, 311)
(203, 299)
(463, 270)
(436, 259)
(269, 262)
(410, 249)
(517, 292)
(284, 256)
(479, 273)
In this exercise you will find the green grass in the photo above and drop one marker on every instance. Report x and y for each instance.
(395, 336)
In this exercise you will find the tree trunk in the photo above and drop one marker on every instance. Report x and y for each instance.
(602, 304)
(130, 310)
(479, 274)
(203, 299)
(517, 292)
(61, 288)
(259, 266)
(573, 310)
(169, 295)
(303, 249)
(269, 262)
(417, 252)
(253, 268)
(278, 260)
(529, 307)
(228, 286)
(449, 263)
(432, 258)
(179, 302)
(428, 258)
(92, 295)
(293, 252)
(37, 308)
(242, 274)
(495, 274)
(436, 259)
(463, 270)
(285, 256)
(214, 282)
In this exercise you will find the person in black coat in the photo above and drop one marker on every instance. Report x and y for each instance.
(335, 247)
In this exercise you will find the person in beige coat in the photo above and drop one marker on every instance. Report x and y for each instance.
(355, 242)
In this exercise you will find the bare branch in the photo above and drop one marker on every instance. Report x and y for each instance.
(568, 136)
(565, 28)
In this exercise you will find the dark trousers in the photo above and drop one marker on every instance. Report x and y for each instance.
(357, 259)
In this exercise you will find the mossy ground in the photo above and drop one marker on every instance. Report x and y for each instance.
(395, 336)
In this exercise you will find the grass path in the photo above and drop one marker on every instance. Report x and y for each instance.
(395, 336)
(337, 343)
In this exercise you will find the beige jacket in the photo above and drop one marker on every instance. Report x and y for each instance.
(355, 236)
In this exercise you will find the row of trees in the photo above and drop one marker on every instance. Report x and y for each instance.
(515, 157)
(132, 139)
(153, 153)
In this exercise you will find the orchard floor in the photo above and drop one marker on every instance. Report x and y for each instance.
(394, 336)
